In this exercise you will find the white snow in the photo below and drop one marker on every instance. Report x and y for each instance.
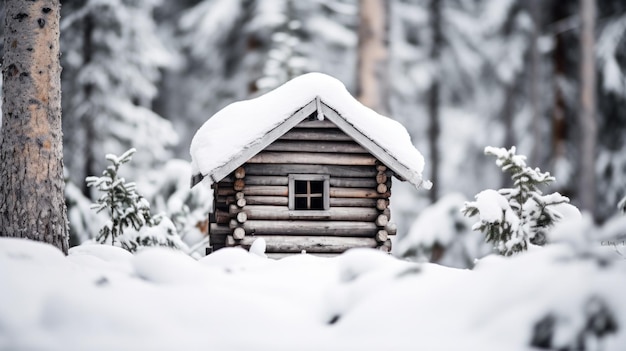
(240, 124)
(443, 224)
(103, 298)
(492, 206)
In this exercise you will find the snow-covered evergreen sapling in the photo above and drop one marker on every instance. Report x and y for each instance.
(514, 218)
(129, 211)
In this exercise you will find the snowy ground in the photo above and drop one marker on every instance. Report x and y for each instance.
(103, 298)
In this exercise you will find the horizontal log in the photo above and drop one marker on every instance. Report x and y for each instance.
(382, 204)
(381, 236)
(385, 247)
(381, 188)
(391, 228)
(238, 233)
(332, 170)
(352, 182)
(240, 173)
(241, 202)
(382, 220)
(316, 134)
(217, 241)
(284, 201)
(361, 214)
(352, 202)
(268, 200)
(223, 202)
(228, 182)
(314, 158)
(259, 180)
(239, 185)
(386, 212)
(312, 244)
(242, 217)
(381, 178)
(302, 227)
(316, 123)
(256, 190)
(281, 255)
(218, 229)
(222, 217)
(317, 146)
(357, 192)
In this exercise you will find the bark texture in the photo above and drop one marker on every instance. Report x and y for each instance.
(434, 129)
(373, 85)
(588, 124)
(32, 202)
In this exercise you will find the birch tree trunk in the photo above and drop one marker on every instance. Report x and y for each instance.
(587, 115)
(372, 75)
(32, 202)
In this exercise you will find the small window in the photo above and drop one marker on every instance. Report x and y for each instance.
(308, 192)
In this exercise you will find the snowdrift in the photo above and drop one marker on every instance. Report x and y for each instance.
(103, 298)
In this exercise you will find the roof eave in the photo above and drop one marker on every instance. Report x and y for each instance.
(219, 173)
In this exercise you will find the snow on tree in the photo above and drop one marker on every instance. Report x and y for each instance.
(285, 59)
(441, 234)
(84, 223)
(587, 108)
(515, 218)
(236, 49)
(131, 223)
(555, 332)
(475, 55)
(112, 61)
(167, 189)
(611, 160)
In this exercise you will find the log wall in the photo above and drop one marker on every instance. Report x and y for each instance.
(253, 200)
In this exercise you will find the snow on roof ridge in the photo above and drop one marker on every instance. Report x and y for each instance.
(237, 126)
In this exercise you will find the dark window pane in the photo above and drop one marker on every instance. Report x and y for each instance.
(317, 203)
(300, 203)
(300, 186)
(317, 187)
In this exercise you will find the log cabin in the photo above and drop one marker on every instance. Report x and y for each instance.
(306, 167)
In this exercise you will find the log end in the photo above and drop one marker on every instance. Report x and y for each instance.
(239, 233)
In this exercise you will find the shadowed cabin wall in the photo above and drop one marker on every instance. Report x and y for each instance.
(252, 201)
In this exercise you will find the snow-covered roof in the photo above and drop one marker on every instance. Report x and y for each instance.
(241, 130)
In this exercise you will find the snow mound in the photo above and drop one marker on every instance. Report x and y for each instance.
(360, 300)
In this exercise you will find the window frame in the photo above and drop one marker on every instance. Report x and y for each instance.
(309, 177)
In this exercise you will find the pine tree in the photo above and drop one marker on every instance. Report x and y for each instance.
(514, 218)
(112, 59)
(125, 206)
(457, 63)
(131, 223)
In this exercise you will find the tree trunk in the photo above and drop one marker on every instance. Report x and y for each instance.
(433, 98)
(535, 86)
(372, 76)
(588, 125)
(88, 123)
(32, 203)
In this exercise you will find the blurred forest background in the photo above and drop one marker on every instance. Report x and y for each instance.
(459, 74)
